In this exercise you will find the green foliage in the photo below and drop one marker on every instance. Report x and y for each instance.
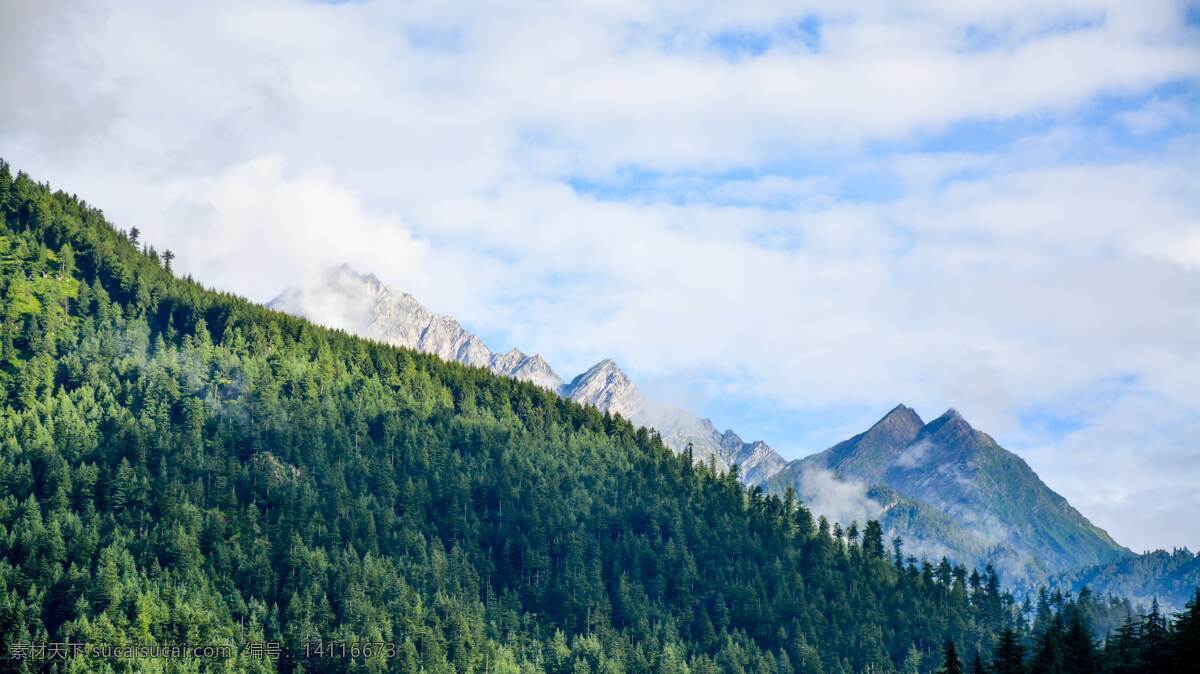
(1009, 656)
(950, 662)
(180, 466)
(1170, 577)
(1060, 641)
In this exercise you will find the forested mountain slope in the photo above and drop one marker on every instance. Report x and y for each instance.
(1171, 578)
(182, 466)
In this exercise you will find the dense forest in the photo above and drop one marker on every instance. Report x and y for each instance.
(180, 466)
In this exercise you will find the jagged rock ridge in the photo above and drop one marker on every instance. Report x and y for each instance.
(362, 304)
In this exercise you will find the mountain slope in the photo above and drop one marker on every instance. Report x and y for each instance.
(605, 387)
(1170, 577)
(991, 506)
(180, 466)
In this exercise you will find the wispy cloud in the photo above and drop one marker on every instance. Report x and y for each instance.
(842, 501)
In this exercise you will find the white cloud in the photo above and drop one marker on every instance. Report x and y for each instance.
(1158, 115)
(1132, 469)
(914, 455)
(253, 224)
(841, 501)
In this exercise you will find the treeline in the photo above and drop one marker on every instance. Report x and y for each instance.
(180, 466)
(1060, 640)
(1171, 577)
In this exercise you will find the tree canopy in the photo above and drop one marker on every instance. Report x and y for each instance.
(182, 466)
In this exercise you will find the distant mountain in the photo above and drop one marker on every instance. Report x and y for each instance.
(361, 304)
(756, 461)
(1170, 577)
(606, 387)
(950, 489)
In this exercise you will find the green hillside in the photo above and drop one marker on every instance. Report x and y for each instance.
(1171, 578)
(183, 467)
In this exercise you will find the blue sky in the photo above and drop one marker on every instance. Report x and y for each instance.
(787, 218)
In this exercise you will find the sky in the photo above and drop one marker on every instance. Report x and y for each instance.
(788, 217)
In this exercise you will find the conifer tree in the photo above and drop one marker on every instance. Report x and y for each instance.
(1048, 656)
(950, 662)
(912, 661)
(1079, 651)
(873, 540)
(1009, 656)
(1185, 637)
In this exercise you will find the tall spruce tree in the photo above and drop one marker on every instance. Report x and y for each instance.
(1048, 655)
(1123, 650)
(1079, 650)
(1009, 657)
(950, 662)
(1185, 638)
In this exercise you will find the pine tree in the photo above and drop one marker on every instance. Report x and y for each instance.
(1048, 650)
(1079, 651)
(1009, 657)
(912, 661)
(873, 540)
(950, 662)
(1185, 637)
(1154, 637)
(1123, 651)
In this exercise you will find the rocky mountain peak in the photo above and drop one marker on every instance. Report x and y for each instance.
(891, 433)
(533, 368)
(346, 279)
(901, 420)
(948, 489)
(949, 427)
(868, 455)
(607, 367)
(360, 303)
(605, 372)
(605, 386)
